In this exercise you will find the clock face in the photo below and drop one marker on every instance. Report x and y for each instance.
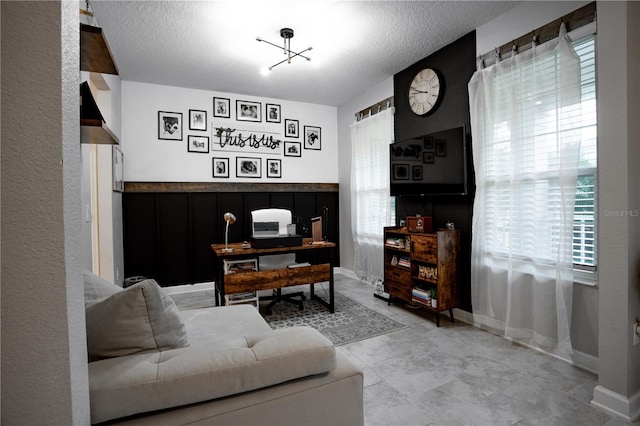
(424, 91)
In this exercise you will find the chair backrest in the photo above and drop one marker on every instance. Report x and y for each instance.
(261, 224)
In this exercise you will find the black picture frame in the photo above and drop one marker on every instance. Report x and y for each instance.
(248, 111)
(220, 167)
(429, 144)
(416, 172)
(291, 128)
(248, 167)
(441, 147)
(222, 107)
(292, 149)
(401, 172)
(197, 119)
(312, 138)
(428, 157)
(274, 168)
(197, 143)
(272, 113)
(170, 126)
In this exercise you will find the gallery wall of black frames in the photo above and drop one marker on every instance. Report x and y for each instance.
(169, 227)
(455, 64)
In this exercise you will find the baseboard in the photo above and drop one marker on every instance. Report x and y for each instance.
(346, 272)
(464, 316)
(615, 404)
(585, 361)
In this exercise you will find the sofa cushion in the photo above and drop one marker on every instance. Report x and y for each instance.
(152, 381)
(139, 318)
(96, 287)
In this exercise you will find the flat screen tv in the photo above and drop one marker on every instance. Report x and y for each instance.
(429, 165)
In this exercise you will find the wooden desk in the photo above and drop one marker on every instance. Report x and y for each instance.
(239, 282)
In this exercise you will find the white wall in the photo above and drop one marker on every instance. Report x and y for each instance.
(102, 231)
(44, 358)
(148, 159)
(618, 66)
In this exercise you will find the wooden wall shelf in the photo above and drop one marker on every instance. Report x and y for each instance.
(95, 55)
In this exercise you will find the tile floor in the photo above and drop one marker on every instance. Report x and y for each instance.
(460, 375)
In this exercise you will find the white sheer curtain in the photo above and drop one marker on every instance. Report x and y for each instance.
(526, 131)
(370, 200)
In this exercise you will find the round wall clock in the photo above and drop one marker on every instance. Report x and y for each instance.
(424, 91)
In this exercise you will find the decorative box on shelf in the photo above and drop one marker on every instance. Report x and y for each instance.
(419, 223)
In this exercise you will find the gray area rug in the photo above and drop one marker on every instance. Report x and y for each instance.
(351, 321)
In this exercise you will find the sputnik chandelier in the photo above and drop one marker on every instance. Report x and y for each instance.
(287, 35)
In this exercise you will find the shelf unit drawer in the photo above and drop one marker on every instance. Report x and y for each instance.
(397, 273)
(398, 289)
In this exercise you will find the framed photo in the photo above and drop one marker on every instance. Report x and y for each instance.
(222, 107)
(429, 144)
(427, 157)
(401, 171)
(118, 170)
(248, 167)
(197, 119)
(198, 144)
(292, 149)
(417, 172)
(441, 147)
(170, 125)
(291, 128)
(220, 167)
(274, 168)
(272, 113)
(248, 111)
(312, 139)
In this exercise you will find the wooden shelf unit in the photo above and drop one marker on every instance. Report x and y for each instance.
(433, 260)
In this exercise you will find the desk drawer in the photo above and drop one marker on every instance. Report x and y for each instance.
(277, 278)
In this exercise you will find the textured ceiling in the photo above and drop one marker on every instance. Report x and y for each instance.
(211, 45)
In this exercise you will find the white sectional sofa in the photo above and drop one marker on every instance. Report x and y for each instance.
(151, 364)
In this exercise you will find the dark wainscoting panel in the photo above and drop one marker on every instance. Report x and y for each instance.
(169, 227)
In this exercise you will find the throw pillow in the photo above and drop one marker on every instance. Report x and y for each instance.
(139, 318)
(96, 287)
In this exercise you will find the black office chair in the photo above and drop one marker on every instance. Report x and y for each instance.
(278, 261)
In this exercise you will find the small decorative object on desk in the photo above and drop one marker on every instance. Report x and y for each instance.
(451, 226)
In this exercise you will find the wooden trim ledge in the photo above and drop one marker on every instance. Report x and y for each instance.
(228, 187)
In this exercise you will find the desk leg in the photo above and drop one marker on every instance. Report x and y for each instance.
(220, 300)
(332, 306)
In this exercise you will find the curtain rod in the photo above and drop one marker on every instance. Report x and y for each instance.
(375, 108)
(576, 19)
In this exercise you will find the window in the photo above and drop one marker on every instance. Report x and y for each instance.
(370, 202)
(531, 155)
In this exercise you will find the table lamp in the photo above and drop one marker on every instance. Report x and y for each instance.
(230, 218)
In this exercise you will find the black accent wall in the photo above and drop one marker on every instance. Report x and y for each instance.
(455, 64)
(168, 235)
